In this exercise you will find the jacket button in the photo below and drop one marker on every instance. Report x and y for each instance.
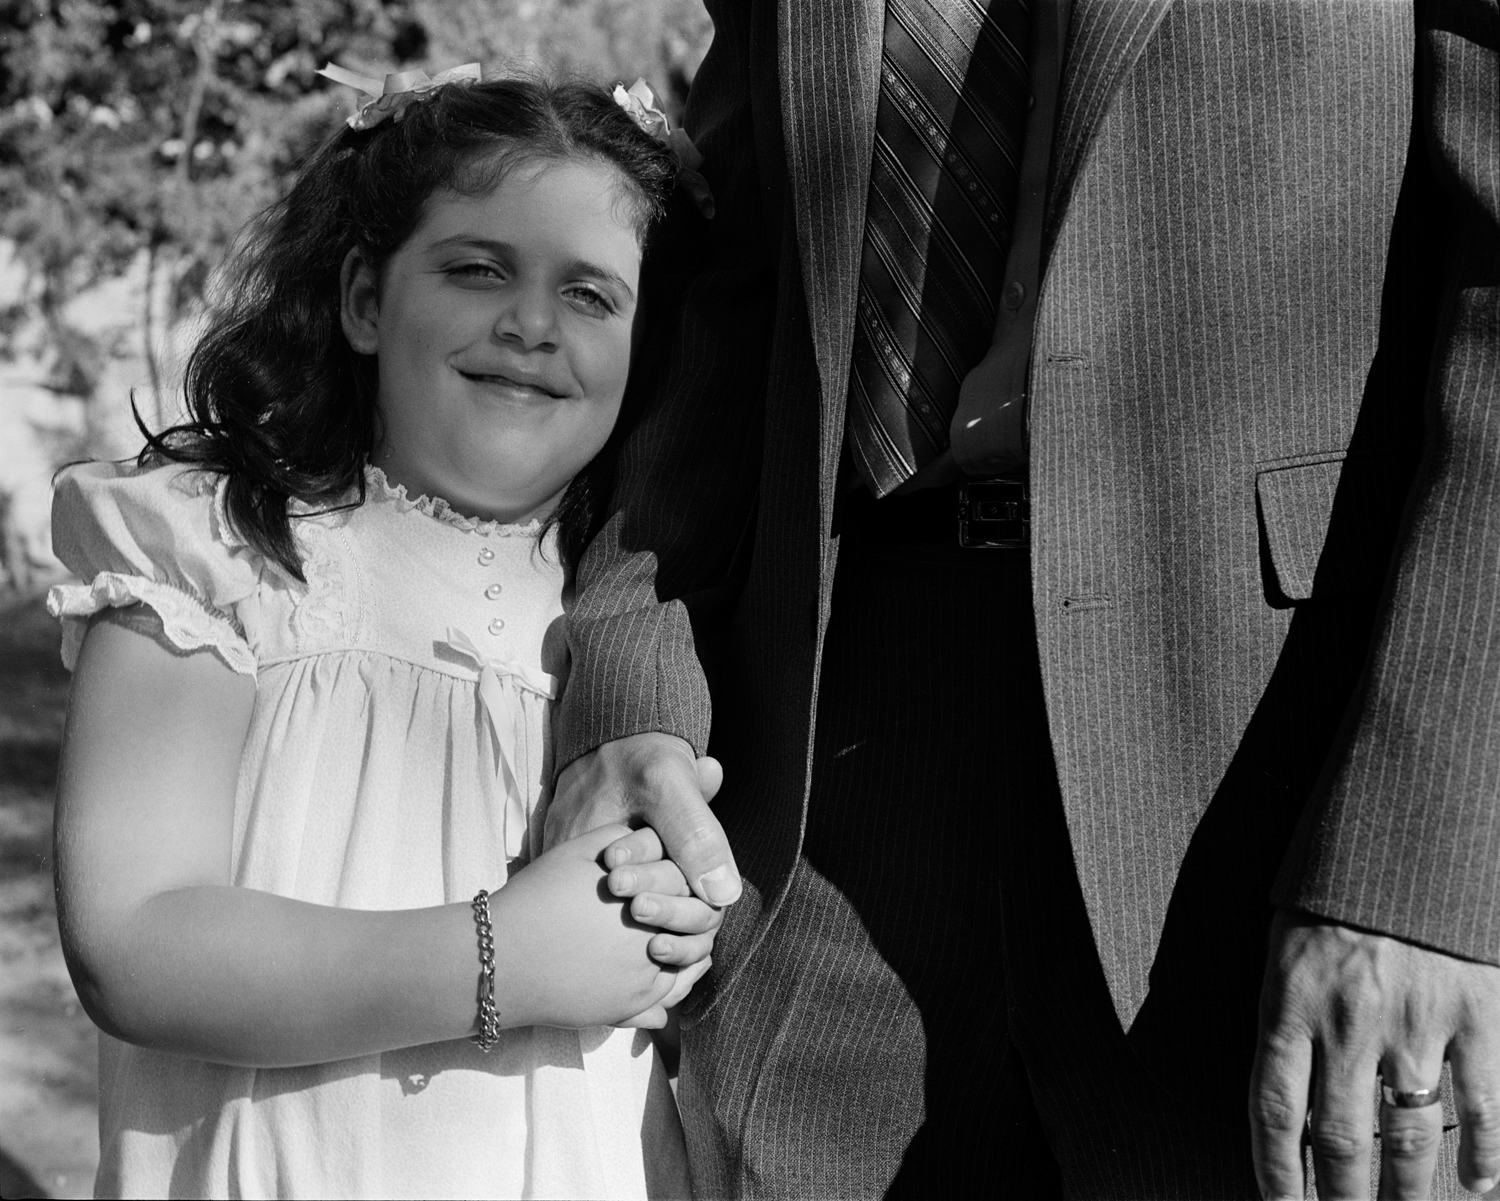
(1015, 295)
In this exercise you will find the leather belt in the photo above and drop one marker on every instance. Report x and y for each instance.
(994, 514)
(972, 515)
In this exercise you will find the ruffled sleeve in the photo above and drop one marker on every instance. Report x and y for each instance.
(156, 537)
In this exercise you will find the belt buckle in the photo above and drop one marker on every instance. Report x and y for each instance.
(994, 514)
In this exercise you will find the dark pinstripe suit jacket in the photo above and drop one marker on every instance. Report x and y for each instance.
(1218, 489)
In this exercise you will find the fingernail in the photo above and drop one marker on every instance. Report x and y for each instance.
(645, 907)
(616, 856)
(621, 883)
(720, 886)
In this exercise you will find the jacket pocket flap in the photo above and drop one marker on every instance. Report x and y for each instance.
(1295, 506)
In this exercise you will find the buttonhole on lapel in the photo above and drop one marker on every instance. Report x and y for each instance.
(1068, 359)
(853, 746)
(1078, 604)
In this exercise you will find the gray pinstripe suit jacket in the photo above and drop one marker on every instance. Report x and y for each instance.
(1218, 488)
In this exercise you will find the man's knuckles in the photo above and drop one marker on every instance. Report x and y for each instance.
(698, 843)
(1410, 1135)
(1339, 1139)
(1356, 1008)
(663, 776)
(1479, 1113)
(1277, 1111)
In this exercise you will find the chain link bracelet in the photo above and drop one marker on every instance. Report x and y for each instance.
(489, 1017)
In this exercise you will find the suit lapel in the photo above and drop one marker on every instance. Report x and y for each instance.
(829, 61)
(1105, 38)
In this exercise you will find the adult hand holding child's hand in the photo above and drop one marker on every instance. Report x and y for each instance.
(658, 896)
(581, 958)
(652, 778)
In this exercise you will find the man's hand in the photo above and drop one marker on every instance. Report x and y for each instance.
(650, 779)
(1341, 1005)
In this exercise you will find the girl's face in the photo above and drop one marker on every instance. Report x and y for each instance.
(502, 333)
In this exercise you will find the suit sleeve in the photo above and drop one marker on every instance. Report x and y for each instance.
(654, 589)
(1407, 841)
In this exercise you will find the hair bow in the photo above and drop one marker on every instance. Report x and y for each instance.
(640, 105)
(397, 91)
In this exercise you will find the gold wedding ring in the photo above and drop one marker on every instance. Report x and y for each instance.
(1415, 1098)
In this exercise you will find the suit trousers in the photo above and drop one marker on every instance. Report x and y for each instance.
(935, 813)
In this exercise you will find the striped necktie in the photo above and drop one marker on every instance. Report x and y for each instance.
(954, 89)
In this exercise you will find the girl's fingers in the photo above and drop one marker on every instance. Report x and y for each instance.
(680, 950)
(680, 914)
(650, 1019)
(683, 984)
(682, 980)
(661, 877)
(639, 846)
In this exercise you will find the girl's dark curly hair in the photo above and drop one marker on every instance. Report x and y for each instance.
(279, 403)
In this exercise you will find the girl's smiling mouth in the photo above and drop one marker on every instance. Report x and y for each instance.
(532, 387)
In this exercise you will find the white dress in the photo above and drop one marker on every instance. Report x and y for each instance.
(384, 769)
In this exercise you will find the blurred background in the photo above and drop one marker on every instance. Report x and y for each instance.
(135, 139)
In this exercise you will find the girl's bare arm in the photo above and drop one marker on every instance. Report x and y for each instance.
(166, 953)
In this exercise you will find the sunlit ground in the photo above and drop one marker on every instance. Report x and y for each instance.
(48, 1135)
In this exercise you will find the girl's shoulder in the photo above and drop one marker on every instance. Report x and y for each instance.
(168, 517)
(155, 535)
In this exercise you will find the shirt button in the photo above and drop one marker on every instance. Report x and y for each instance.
(493, 591)
(486, 555)
(1015, 294)
(496, 625)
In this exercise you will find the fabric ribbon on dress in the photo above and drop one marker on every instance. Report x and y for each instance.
(499, 684)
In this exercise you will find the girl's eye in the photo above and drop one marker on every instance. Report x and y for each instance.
(589, 299)
(476, 271)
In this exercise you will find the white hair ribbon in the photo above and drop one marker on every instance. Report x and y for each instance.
(641, 106)
(392, 94)
(499, 681)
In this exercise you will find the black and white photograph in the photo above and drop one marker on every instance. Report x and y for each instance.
(772, 600)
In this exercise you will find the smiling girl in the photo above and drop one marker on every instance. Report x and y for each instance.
(315, 654)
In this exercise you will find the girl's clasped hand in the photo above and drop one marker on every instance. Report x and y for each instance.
(318, 648)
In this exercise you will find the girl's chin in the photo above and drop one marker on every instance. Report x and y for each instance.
(474, 493)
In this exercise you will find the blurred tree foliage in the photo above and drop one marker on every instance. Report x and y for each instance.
(155, 128)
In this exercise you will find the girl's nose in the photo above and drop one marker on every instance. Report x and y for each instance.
(530, 320)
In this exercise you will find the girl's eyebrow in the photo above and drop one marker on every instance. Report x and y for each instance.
(577, 267)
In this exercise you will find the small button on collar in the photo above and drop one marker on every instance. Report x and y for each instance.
(486, 555)
(496, 625)
(493, 591)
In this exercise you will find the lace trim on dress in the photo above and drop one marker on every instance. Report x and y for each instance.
(440, 510)
(186, 622)
(326, 612)
(219, 524)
